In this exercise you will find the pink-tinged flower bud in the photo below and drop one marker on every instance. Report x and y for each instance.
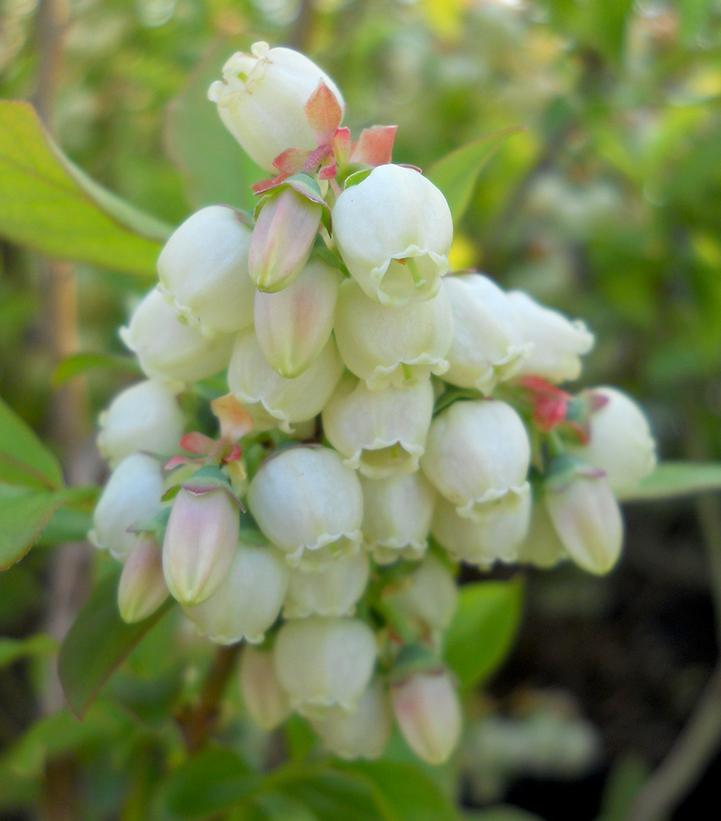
(382, 433)
(542, 546)
(392, 346)
(306, 501)
(428, 596)
(247, 601)
(620, 441)
(131, 497)
(261, 100)
(428, 713)
(332, 591)
(324, 662)
(282, 239)
(145, 417)
(200, 542)
(397, 514)
(557, 343)
(488, 345)
(477, 454)
(588, 520)
(203, 271)
(271, 399)
(361, 733)
(265, 700)
(394, 230)
(142, 587)
(494, 535)
(169, 348)
(293, 326)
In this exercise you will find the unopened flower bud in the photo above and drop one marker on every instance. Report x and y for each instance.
(397, 514)
(488, 345)
(362, 732)
(542, 546)
(169, 348)
(271, 399)
(428, 596)
(261, 100)
(265, 700)
(477, 454)
(428, 713)
(131, 497)
(558, 343)
(282, 239)
(332, 591)
(324, 662)
(200, 542)
(305, 500)
(382, 432)
(142, 587)
(620, 441)
(394, 231)
(145, 417)
(247, 601)
(386, 345)
(292, 327)
(203, 270)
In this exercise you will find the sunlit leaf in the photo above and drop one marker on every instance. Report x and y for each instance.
(677, 479)
(78, 364)
(24, 513)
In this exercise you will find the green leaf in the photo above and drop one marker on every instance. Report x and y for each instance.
(483, 629)
(49, 204)
(38, 645)
(78, 364)
(97, 643)
(24, 513)
(501, 813)
(24, 459)
(331, 794)
(66, 525)
(215, 168)
(628, 775)
(672, 479)
(456, 173)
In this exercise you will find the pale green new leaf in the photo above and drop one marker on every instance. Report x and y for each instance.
(671, 479)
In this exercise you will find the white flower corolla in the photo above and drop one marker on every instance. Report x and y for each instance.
(169, 348)
(620, 442)
(131, 497)
(386, 345)
(332, 591)
(305, 500)
(362, 732)
(588, 520)
(394, 230)
(203, 271)
(383, 432)
(265, 700)
(477, 454)
(558, 343)
(495, 535)
(293, 326)
(200, 542)
(145, 416)
(428, 713)
(142, 588)
(271, 399)
(324, 662)
(488, 344)
(248, 600)
(542, 546)
(397, 514)
(428, 595)
(261, 100)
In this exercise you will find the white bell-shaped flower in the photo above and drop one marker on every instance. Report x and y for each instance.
(271, 399)
(145, 416)
(397, 513)
(558, 343)
(428, 596)
(130, 498)
(248, 600)
(142, 588)
(169, 348)
(394, 230)
(383, 432)
(386, 345)
(324, 662)
(306, 501)
(477, 454)
(203, 271)
(332, 591)
(261, 100)
(265, 700)
(488, 344)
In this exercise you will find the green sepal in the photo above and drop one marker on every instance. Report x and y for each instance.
(414, 658)
(451, 395)
(564, 468)
(356, 177)
(209, 477)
